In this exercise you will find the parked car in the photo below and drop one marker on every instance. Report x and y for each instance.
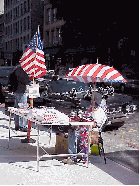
(64, 85)
(131, 86)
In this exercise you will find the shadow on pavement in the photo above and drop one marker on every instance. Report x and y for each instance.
(123, 158)
(19, 152)
(122, 173)
(113, 126)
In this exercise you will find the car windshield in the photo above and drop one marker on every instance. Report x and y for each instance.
(65, 86)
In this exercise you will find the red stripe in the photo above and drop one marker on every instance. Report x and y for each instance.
(115, 76)
(74, 70)
(28, 63)
(42, 74)
(39, 54)
(40, 61)
(107, 71)
(29, 68)
(40, 69)
(27, 55)
(124, 80)
(97, 71)
(88, 69)
(81, 69)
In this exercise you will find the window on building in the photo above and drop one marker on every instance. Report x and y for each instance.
(49, 16)
(28, 22)
(6, 45)
(11, 46)
(11, 16)
(16, 27)
(47, 38)
(21, 9)
(14, 14)
(11, 27)
(18, 11)
(20, 25)
(52, 39)
(21, 42)
(53, 15)
(6, 30)
(24, 23)
(24, 40)
(24, 6)
(28, 39)
(5, 2)
(6, 18)
(28, 5)
(18, 43)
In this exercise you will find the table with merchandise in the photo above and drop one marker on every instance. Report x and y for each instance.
(51, 116)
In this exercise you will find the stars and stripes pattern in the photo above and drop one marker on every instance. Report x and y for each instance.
(33, 61)
(95, 73)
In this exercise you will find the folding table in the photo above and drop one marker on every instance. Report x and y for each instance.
(26, 113)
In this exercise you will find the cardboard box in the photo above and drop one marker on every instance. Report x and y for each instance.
(61, 146)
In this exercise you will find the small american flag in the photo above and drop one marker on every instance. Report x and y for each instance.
(32, 61)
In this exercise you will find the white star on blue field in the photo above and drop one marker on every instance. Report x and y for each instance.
(32, 45)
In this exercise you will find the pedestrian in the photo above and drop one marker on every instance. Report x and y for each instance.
(2, 97)
(17, 84)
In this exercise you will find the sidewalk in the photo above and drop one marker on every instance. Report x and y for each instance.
(18, 164)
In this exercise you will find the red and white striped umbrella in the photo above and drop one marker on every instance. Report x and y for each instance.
(95, 73)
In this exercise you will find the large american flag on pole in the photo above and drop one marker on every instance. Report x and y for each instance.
(33, 61)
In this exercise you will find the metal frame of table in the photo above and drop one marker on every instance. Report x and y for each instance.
(38, 123)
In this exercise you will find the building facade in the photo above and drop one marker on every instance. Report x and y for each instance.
(52, 41)
(21, 21)
(1, 39)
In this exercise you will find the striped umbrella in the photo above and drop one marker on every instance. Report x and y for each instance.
(95, 73)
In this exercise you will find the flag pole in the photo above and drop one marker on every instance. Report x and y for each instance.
(28, 139)
(93, 94)
(36, 52)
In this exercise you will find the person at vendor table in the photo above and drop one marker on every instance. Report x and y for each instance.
(17, 84)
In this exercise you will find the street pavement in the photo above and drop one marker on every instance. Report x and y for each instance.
(18, 164)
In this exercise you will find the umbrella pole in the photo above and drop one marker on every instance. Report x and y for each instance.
(93, 104)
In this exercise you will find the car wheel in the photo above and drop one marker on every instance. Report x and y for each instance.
(122, 88)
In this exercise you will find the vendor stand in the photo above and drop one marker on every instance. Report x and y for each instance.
(48, 116)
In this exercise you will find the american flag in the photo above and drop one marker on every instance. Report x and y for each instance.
(33, 61)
